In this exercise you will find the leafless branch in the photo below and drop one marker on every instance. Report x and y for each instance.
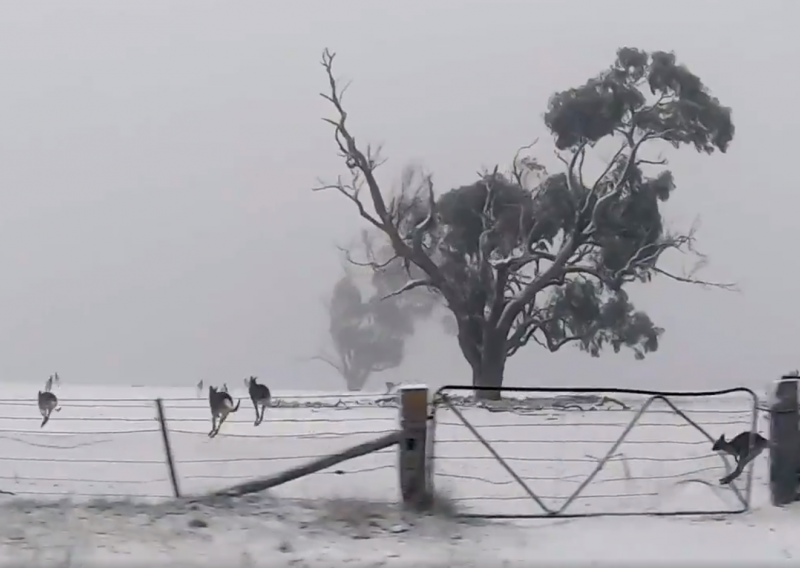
(327, 360)
(521, 165)
(647, 256)
(660, 162)
(354, 157)
(729, 286)
(532, 324)
(356, 160)
(372, 264)
(522, 333)
(551, 344)
(410, 285)
(351, 191)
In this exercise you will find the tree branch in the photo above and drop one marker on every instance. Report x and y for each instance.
(524, 165)
(731, 287)
(526, 331)
(514, 307)
(647, 256)
(350, 191)
(325, 359)
(553, 345)
(522, 332)
(371, 263)
(355, 159)
(410, 285)
(493, 281)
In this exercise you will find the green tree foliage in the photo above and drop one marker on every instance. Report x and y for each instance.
(533, 256)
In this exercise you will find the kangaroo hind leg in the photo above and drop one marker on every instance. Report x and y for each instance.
(222, 418)
(733, 475)
(214, 428)
(740, 465)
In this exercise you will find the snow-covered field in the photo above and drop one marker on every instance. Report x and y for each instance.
(106, 443)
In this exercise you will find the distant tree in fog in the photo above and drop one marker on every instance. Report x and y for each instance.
(527, 255)
(368, 334)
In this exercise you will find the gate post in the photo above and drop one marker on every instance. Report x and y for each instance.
(413, 446)
(785, 442)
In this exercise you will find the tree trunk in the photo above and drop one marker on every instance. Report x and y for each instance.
(490, 373)
(356, 381)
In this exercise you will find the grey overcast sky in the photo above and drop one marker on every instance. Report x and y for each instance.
(156, 159)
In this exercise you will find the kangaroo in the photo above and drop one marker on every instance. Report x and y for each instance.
(48, 402)
(221, 405)
(744, 448)
(200, 388)
(260, 396)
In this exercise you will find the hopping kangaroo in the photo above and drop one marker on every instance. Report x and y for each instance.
(221, 405)
(260, 396)
(744, 448)
(48, 402)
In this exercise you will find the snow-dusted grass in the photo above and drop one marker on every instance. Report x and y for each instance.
(348, 514)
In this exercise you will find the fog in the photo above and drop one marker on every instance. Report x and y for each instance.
(156, 161)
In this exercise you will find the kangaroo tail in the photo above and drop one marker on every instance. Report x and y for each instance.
(235, 408)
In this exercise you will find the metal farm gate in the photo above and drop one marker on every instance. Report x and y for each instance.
(607, 407)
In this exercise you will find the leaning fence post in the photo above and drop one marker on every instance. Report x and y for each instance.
(785, 442)
(173, 476)
(413, 446)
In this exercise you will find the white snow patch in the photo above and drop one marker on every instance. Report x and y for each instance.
(412, 387)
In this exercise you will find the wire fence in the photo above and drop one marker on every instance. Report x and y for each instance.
(664, 463)
(113, 448)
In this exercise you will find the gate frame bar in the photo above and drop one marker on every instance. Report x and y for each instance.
(440, 397)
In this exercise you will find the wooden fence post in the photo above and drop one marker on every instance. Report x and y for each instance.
(413, 447)
(430, 449)
(785, 442)
(173, 476)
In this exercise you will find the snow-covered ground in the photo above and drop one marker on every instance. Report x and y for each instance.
(105, 443)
